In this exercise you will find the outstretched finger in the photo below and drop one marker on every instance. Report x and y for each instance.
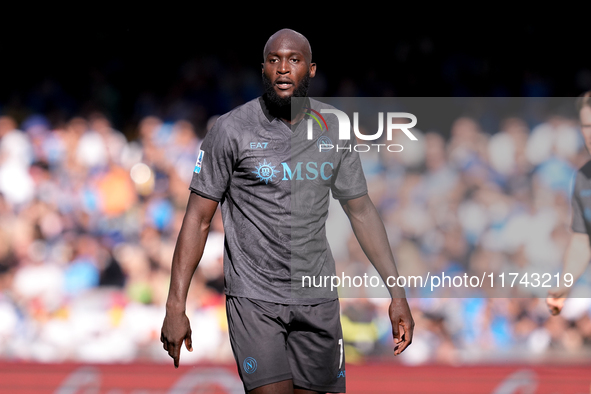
(174, 352)
(176, 356)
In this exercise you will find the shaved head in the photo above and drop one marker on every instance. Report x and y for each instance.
(296, 41)
(287, 68)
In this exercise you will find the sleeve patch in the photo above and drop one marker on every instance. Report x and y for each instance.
(199, 161)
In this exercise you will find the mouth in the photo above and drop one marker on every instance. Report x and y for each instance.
(283, 84)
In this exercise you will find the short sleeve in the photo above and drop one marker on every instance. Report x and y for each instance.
(578, 224)
(349, 181)
(215, 163)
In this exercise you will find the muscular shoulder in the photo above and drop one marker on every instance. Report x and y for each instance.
(240, 116)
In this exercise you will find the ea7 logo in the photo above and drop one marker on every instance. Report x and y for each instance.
(258, 145)
(345, 125)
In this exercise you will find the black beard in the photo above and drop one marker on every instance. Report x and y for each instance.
(281, 107)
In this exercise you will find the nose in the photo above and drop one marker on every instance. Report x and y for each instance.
(283, 67)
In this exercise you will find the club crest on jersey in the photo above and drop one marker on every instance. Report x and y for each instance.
(324, 144)
(249, 365)
(265, 172)
(199, 161)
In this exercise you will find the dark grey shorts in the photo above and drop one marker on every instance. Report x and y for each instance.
(275, 342)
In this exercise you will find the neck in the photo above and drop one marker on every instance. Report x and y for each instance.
(288, 112)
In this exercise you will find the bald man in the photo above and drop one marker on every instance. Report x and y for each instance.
(274, 187)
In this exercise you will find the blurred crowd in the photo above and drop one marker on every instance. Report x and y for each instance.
(475, 202)
(89, 218)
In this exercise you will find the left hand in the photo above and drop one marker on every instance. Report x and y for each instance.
(555, 300)
(402, 324)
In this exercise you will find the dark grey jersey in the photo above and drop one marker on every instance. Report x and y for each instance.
(581, 201)
(274, 186)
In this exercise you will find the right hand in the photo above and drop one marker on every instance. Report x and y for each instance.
(176, 329)
(555, 301)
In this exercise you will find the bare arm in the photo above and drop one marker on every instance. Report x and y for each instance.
(371, 234)
(578, 254)
(187, 253)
